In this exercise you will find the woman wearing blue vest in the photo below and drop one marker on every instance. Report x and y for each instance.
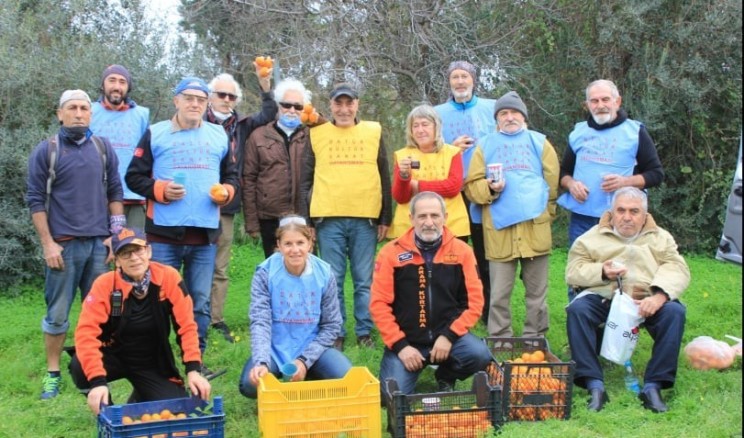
(294, 313)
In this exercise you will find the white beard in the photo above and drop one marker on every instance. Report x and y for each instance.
(602, 119)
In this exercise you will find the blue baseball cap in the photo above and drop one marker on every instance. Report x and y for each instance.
(127, 236)
(191, 83)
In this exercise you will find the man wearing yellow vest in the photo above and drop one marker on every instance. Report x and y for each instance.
(346, 191)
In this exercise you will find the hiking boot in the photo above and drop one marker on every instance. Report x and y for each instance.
(50, 386)
(338, 344)
(225, 330)
(365, 341)
(446, 385)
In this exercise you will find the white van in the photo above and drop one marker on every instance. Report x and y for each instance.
(730, 247)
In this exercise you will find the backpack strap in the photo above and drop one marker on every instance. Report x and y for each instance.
(52, 147)
(102, 152)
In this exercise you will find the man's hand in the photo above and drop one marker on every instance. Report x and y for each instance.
(263, 81)
(578, 190)
(612, 270)
(174, 191)
(441, 350)
(109, 250)
(53, 255)
(411, 358)
(256, 373)
(464, 142)
(382, 232)
(648, 306)
(613, 182)
(199, 385)
(96, 397)
(497, 187)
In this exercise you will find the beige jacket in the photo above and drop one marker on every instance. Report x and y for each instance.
(652, 259)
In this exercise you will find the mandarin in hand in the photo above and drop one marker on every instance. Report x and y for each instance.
(218, 193)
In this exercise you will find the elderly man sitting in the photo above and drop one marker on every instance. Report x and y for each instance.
(647, 259)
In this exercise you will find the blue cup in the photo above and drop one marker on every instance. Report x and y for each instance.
(288, 370)
(179, 178)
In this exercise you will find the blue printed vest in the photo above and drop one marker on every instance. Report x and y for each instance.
(598, 153)
(198, 153)
(474, 119)
(296, 304)
(123, 130)
(525, 195)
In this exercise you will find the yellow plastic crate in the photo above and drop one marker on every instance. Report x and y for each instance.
(348, 407)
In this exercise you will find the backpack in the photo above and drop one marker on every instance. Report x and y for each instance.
(53, 148)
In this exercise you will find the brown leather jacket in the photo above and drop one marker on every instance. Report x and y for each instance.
(271, 174)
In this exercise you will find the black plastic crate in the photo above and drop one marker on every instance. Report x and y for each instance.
(454, 414)
(532, 390)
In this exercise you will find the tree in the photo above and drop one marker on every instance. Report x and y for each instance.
(47, 46)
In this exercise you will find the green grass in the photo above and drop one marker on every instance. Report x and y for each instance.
(702, 404)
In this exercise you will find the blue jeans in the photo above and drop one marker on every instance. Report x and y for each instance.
(666, 327)
(332, 364)
(578, 225)
(356, 239)
(85, 260)
(468, 355)
(198, 268)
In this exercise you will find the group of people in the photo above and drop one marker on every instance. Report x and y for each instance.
(471, 169)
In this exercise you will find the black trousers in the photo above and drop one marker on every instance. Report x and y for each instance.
(149, 384)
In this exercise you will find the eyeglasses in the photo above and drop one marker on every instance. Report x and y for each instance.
(296, 106)
(192, 98)
(229, 96)
(126, 255)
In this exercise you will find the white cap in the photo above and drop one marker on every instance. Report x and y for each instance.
(69, 95)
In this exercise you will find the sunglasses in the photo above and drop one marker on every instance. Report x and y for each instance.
(222, 95)
(287, 105)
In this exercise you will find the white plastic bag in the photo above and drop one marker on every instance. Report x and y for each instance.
(621, 329)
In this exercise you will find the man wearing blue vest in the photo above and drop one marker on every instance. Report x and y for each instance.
(465, 119)
(518, 208)
(184, 169)
(606, 152)
(117, 117)
(224, 96)
(74, 196)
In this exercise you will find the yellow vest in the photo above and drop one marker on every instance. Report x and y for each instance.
(434, 166)
(347, 180)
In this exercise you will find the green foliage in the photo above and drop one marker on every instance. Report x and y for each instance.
(46, 47)
(701, 403)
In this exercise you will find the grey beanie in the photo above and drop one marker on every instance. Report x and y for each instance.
(462, 65)
(511, 100)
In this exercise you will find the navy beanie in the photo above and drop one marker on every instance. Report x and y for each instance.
(119, 70)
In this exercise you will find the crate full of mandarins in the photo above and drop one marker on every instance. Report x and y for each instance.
(536, 384)
(473, 413)
(179, 417)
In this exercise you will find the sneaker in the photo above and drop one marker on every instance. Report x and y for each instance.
(365, 341)
(209, 374)
(338, 344)
(225, 330)
(446, 385)
(50, 386)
